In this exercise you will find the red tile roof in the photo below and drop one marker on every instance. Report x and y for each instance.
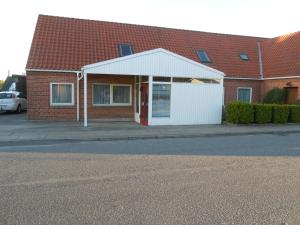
(281, 56)
(68, 44)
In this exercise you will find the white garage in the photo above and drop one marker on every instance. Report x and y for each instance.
(169, 89)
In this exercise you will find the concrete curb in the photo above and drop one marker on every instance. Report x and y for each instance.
(142, 137)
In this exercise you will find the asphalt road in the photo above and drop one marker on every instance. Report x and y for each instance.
(221, 180)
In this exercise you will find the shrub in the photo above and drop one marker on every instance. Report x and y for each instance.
(239, 112)
(262, 113)
(275, 96)
(280, 113)
(294, 114)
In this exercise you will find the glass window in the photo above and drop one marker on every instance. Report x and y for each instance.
(121, 94)
(62, 94)
(195, 81)
(161, 100)
(244, 95)
(162, 79)
(182, 80)
(202, 55)
(125, 49)
(101, 94)
(244, 57)
(144, 79)
(4, 95)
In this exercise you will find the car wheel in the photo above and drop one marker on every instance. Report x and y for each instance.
(19, 109)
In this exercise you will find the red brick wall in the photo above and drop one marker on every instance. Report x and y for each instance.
(38, 96)
(281, 83)
(231, 87)
(95, 112)
(38, 88)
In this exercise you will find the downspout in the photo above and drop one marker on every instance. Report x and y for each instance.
(260, 61)
(78, 79)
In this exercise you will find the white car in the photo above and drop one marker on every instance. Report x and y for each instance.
(12, 101)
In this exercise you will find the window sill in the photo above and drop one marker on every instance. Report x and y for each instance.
(61, 105)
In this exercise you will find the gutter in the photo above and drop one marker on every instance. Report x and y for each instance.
(53, 71)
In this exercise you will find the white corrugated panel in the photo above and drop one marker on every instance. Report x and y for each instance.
(157, 62)
(194, 104)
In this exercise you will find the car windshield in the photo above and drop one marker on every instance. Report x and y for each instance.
(6, 95)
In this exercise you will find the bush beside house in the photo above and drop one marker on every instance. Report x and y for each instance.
(245, 113)
(263, 113)
(275, 96)
(294, 114)
(280, 114)
(239, 112)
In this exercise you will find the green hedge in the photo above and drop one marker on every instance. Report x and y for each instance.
(263, 113)
(280, 114)
(294, 114)
(240, 113)
(245, 113)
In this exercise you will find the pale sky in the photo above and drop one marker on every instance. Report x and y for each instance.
(264, 18)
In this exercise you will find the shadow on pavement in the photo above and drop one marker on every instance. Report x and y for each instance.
(250, 145)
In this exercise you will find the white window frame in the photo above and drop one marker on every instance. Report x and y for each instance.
(111, 86)
(248, 88)
(163, 83)
(62, 104)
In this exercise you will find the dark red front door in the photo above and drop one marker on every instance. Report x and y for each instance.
(144, 104)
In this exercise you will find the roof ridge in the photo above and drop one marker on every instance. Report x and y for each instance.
(287, 35)
(152, 26)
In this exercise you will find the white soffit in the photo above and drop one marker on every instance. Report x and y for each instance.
(156, 62)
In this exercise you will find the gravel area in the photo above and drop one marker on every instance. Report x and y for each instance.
(60, 188)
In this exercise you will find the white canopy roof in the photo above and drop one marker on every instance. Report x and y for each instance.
(156, 62)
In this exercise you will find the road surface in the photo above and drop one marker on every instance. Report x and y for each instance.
(221, 180)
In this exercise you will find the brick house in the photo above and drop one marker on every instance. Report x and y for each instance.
(83, 67)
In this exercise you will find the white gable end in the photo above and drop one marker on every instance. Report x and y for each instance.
(157, 62)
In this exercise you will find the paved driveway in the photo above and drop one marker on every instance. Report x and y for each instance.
(13, 118)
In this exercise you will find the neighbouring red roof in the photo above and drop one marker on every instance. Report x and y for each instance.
(281, 56)
(68, 44)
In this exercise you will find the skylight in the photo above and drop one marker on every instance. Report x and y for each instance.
(202, 55)
(125, 49)
(244, 56)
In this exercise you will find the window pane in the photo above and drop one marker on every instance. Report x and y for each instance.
(144, 79)
(203, 56)
(101, 94)
(161, 100)
(62, 93)
(244, 95)
(162, 79)
(195, 81)
(125, 49)
(121, 94)
(244, 56)
(6, 95)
